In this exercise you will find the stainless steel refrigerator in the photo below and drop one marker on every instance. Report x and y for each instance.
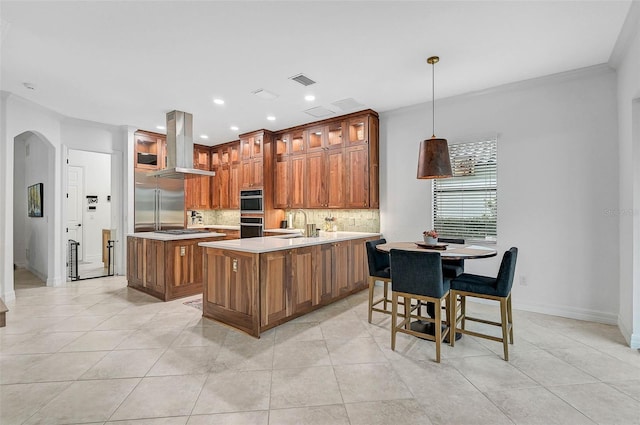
(159, 203)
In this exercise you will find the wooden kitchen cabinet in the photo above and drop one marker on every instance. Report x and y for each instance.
(332, 272)
(251, 157)
(357, 181)
(289, 182)
(340, 168)
(286, 284)
(325, 179)
(149, 150)
(225, 187)
(325, 137)
(255, 292)
(231, 293)
(165, 269)
(198, 188)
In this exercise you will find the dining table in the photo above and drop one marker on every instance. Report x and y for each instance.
(448, 251)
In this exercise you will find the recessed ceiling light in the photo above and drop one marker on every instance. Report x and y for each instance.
(160, 127)
(218, 101)
(271, 118)
(204, 136)
(234, 128)
(309, 98)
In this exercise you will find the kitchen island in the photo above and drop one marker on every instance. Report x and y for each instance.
(165, 265)
(255, 284)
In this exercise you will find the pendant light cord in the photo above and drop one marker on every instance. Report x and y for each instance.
(433, 99)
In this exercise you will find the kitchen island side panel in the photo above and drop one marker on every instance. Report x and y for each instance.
(230, 293)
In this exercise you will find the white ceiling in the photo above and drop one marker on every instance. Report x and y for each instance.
(128, 63)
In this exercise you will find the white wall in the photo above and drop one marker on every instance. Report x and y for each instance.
(97, 182)
(628, 90)
(557, 162)
(19, 205)
(18, 116)
(38, 163)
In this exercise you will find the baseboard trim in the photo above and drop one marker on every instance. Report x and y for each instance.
(570, 313)
(632, 338)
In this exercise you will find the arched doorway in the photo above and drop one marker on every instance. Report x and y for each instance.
(33, 234)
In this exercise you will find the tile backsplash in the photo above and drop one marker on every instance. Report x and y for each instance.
(221, 217)
(345, 220)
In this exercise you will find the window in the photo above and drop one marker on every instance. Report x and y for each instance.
(466, 205)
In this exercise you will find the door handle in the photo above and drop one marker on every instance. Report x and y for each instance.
(79, 224)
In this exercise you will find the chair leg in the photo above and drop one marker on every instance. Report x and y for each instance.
(463, 311)
(407, 312)
(510, 317)
(386, 293)
(394, 314)
(503, 320)
(452, 317)
(372, 283)
(438, 331)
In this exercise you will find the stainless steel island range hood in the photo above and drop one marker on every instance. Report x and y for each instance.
(180, 149)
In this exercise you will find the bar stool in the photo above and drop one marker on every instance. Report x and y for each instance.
(418, 275)
(490, 288)
(379, 269)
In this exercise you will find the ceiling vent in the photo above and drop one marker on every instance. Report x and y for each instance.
(302, 79)
(319, 112)
(348, 104)
(265, 94)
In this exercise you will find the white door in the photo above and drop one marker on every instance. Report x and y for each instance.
(75, 189)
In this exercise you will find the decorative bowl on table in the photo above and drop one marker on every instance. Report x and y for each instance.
(428, 240)
(430, 237)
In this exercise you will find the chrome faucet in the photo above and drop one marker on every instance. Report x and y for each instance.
(304, 228)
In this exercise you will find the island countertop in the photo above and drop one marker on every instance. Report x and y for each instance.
(172, 237)
(279, 243)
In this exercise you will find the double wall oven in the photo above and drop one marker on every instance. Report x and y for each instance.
(251, 213)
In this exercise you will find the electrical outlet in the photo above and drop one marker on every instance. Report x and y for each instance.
(183, 251)
(235, 264)
(523, 281)
(353, 222)
(27, 253)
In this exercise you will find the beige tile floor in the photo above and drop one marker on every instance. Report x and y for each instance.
(97, 352)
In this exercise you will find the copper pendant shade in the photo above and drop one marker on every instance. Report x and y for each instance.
(433, 159)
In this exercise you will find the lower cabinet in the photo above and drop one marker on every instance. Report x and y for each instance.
(166, 269)
(231, 289)
(255, 292)
(286, 284)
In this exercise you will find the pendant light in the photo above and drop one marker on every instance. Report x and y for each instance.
(433, 161)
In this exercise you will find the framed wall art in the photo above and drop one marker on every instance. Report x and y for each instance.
(34, 200)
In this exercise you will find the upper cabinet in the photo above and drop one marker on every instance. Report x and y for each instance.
(251, 163)
(149, 150)
(339, 167)
(198, 189)
(225, 190)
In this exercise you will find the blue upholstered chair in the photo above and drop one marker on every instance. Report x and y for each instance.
(490, 288)
(418, 275)
(452, 268)
(379, 269)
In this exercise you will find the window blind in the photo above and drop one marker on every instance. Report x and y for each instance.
(466, 205)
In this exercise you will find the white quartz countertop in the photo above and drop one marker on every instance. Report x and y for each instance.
(170, 237)
(279, 243)
(214, 226)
